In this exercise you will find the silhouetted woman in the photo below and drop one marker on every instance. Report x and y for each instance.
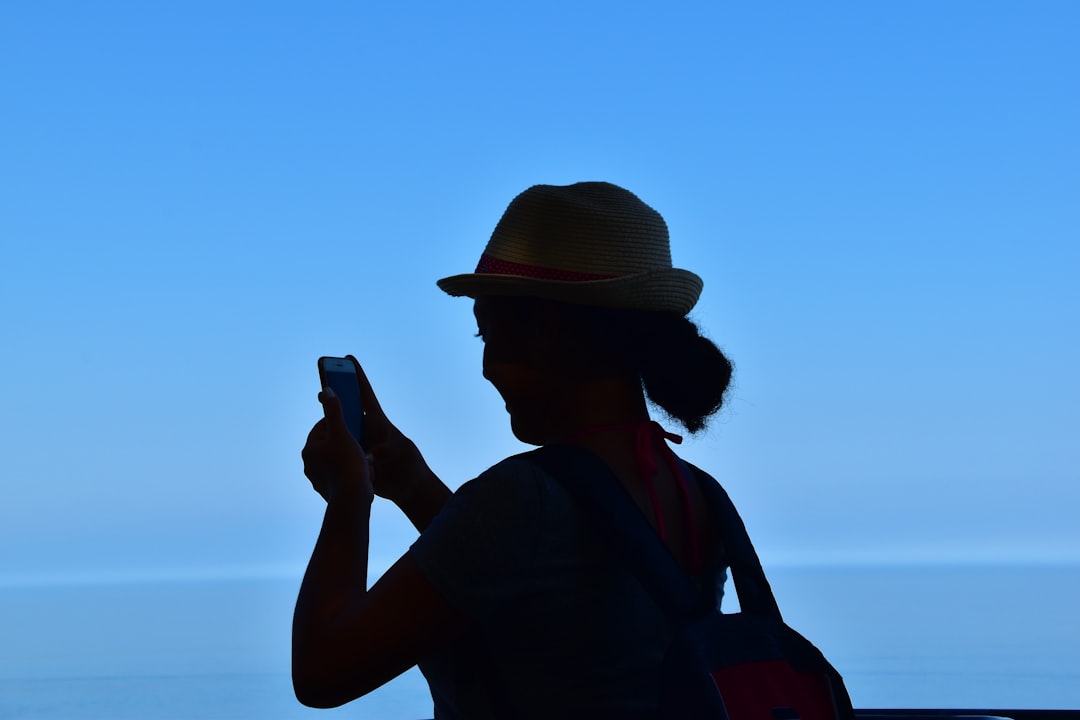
(509, 599)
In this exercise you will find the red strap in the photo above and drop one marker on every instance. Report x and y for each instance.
(645, 434)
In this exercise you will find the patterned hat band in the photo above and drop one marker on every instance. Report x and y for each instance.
(489, 265)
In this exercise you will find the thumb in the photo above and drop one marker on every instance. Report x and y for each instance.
(335, 416)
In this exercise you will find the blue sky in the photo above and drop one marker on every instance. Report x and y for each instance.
(199, 199)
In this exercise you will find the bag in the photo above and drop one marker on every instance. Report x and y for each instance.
(732, 666)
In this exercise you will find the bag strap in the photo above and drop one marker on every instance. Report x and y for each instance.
(631, 538)
(751, 585)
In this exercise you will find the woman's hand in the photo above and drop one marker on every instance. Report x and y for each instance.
(334, 462)
(396, 469)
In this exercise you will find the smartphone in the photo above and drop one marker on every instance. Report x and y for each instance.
(339, 374)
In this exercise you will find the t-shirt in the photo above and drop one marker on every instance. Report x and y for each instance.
(560, 628)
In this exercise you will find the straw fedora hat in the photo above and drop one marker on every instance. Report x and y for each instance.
(591, 243)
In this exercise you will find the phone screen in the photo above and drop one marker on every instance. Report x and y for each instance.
(339, 374)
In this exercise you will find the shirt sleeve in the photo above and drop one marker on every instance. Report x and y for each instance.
(480, 549)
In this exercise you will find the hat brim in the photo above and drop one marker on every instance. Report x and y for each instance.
(667, 290)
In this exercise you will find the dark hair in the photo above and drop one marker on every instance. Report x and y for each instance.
(681, 371)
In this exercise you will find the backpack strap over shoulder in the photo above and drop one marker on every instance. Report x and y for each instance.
(589, 480)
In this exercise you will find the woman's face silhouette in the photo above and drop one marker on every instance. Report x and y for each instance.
(517, 362)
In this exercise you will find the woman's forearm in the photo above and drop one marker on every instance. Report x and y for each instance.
(401, 475)
(425, 499)
(335, 582)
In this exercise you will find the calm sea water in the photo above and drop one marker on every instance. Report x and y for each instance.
(902, 637)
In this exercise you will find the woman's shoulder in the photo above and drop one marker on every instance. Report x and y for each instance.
(482, 547)
(505, 500)
(512, 478)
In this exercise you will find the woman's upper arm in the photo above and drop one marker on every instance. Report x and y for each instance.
(478, 552)
(397, 623)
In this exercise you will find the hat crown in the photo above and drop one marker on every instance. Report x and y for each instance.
(589, 228)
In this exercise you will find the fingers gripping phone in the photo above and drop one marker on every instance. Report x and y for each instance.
(339, 374)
